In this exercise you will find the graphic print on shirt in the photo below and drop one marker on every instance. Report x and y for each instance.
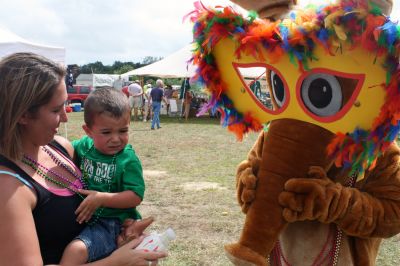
(99, 172)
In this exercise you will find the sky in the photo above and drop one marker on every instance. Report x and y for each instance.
(108, 30)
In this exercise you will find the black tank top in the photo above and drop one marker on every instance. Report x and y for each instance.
(54, 215)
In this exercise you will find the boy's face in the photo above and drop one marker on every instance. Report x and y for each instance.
(110, 134)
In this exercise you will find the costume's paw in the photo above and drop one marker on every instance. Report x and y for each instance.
(317, 172)
(243, 256)
(309, 198)
(246, 188)
(314, 199)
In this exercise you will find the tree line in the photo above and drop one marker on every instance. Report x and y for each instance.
(117, 67)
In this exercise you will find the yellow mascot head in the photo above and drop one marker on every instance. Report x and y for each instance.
(335, 66)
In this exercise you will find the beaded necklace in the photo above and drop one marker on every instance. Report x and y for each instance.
(75, 172)
(62, 181)
(326, 255)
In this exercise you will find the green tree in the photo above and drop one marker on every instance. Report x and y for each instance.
(123, 69)
(150, 59)
(118, 67)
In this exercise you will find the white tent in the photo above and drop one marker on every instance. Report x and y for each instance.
(96, 80)
(11, 43)
(173, 66)
(176, 65)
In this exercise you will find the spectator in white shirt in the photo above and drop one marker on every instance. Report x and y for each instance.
(135, 98)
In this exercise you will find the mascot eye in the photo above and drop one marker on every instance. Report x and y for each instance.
(322, 94)
(278, 89)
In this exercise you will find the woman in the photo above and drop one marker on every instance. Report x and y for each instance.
(39, 182)
(187, 101)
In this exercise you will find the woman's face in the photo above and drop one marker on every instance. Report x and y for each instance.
(41, 127)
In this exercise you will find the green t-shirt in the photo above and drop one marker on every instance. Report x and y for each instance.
(108, 173)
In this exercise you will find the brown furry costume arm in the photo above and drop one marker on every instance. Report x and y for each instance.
(370, 210)
(246, 174)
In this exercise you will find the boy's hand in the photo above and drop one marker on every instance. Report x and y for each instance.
(89, 205)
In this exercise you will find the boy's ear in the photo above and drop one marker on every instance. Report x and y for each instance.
(87, 130)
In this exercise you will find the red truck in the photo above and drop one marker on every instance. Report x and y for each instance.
(78, 93)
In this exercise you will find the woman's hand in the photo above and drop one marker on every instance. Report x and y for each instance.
(127, 255)
(89, 205)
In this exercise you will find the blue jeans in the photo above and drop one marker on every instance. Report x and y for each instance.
(100, 238)
(156, 114)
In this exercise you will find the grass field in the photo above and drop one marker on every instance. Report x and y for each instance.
(189, 169)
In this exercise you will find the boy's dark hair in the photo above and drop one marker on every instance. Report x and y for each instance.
(105, 100)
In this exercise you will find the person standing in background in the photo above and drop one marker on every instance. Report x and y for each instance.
(187, 100)
(69, 78)
(135, 98)
(168, 95)
(147, 103)
(255, 87)
(157, 95)
(118, 83)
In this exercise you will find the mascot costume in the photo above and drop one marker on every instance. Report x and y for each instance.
(321, 185)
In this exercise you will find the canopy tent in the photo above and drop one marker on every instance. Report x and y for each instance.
(173, 66)
(96, 80)
(11, 43)
(176, 65)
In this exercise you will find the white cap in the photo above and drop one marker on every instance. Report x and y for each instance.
(166, 237)
(170, 234)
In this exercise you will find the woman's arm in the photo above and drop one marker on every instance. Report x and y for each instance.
(19, 243)
(128, 256)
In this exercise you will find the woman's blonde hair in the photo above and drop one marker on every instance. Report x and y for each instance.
(27, 81)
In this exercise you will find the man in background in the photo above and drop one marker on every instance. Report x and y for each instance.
(118, 83)
(135, 98)
(157, 95)
(168, 95)
(147, 103)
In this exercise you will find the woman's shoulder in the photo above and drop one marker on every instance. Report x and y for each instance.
(11, 184)
(64, 143)
(10, 171)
